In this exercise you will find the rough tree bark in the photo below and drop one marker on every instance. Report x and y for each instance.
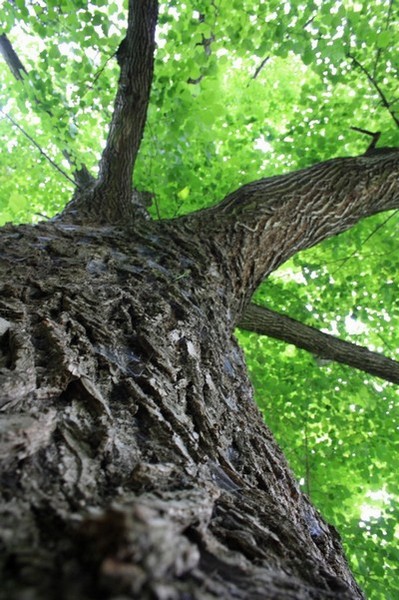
(134, 462)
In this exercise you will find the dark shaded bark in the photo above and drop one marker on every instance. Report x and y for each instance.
(134, 460)
(281, 327)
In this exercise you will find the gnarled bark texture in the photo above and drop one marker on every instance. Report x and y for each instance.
(134, 463)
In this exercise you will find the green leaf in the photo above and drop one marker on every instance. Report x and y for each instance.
(308, 56)
(385, 39)
(184, 193)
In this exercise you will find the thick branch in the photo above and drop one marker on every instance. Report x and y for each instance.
(262, 224)
(267, 322)
(136, 59)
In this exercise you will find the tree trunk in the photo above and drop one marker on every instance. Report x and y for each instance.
(134, 462)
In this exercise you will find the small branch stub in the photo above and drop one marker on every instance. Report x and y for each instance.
(376, 136)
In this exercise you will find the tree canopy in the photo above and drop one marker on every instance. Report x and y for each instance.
(244, 90)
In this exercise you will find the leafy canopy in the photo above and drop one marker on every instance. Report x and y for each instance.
(244, 90)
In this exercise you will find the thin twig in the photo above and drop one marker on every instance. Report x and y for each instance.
(366, 131)
(376, 86)
(18, 69)
(375, 135)
(101, 70)
(46, 156)
(354, 253)
(379, 50)
(260, 67)
(265, 60)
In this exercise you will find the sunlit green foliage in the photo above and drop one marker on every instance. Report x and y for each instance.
(244, 90)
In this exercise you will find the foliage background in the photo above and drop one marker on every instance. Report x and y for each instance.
(244, 90)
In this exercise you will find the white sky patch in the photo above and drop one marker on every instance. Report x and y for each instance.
(376, 507)
(174, 12)
(271, 17)
(332, 329)
(262, 144)
(66, 48)
(221, 52)
(377, 386)
(354, 326)
(161, 41)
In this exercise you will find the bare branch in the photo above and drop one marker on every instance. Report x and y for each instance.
(376, 136)
(101, 70)
(372, 80)
(268, 322)
(343, 261)
(266, 60)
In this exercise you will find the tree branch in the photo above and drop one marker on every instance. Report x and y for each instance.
(135, 56)
(11, 57)
(258, 227)
(260, 67)
(374, 135)
(268, 322)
